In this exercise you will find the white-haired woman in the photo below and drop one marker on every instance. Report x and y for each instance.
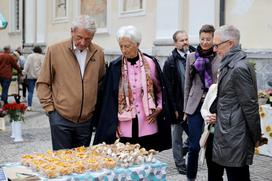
(134, 105)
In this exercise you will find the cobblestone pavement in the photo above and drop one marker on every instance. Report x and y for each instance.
(36, 134)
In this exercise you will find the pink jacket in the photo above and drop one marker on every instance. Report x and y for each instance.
(134, 76)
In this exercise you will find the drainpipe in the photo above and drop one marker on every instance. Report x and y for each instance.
(23, 24)
(222, 13)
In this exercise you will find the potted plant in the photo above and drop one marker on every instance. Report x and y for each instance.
(16, 114)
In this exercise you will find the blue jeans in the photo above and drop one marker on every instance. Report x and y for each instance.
(195, 124)
(177, 145)
(30, 87)
(5, 83)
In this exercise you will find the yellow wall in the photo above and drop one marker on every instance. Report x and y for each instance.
(253, 20)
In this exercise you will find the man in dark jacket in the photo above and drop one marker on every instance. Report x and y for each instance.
(237, 128)
(174, 70)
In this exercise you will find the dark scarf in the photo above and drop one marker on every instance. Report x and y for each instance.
(203, 66)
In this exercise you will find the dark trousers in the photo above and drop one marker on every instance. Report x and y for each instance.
(5, 83)
(195, 125)
(215, 171)
(148, 142)
(238, 173)
(66, 134)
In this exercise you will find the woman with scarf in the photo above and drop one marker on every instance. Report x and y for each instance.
(200, 74)
(133, 107)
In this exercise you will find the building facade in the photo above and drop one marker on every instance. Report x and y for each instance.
(45, 22)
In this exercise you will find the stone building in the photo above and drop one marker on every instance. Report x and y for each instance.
(45, 22)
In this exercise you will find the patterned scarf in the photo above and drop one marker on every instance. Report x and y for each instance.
(125, 97)
(203, 66)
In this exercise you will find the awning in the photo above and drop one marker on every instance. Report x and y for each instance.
(3, 22)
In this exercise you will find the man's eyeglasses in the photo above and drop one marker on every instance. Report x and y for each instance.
(217, 45)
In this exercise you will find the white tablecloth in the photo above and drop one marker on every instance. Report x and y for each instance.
(266, 125)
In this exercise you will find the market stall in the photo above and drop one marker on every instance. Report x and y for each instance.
(266, 126)
(100, 162)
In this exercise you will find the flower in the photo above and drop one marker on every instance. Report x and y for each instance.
(15, 111)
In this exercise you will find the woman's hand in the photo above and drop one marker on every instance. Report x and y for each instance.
(153, 117)
(118, 133)
(211, 119)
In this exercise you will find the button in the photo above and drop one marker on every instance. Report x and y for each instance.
(137, 105)
(138, 112)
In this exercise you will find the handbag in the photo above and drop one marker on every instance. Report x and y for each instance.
(204, 136)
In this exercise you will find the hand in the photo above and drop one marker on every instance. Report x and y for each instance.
(177, 114)
(118, 133)
(153, 117)
(262, 141)
(185, 117)
(211, 119)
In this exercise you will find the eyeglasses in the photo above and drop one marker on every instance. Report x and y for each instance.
(217, 45)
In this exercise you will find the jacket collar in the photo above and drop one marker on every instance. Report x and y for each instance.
(232, 57)
(235, 55)
(91, 50)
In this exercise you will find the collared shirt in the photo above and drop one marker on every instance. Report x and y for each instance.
(182, 54)
(81, 58)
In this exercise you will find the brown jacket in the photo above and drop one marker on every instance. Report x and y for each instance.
(60, 86)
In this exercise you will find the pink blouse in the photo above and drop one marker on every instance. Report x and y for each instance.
(134, 77)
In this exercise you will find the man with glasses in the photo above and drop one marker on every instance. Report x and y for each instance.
(68, 85)
(237, 129)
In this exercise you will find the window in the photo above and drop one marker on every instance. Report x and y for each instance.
(60, 11)
(14, 7)
(131, 8)
(99, 10)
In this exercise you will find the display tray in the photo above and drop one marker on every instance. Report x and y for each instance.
(148, 171)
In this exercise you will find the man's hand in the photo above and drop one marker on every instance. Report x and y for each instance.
(177, 114)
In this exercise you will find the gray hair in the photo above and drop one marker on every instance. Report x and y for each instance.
(229, 32)
(130, 32)
(176, 33)
(84, 21)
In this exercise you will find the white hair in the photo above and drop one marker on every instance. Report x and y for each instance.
(229, 32)
(85, 22)
(130, 32)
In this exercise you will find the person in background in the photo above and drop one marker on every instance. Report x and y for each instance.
(68, 85)
(23, 81)
(31, 71)
(200, 73)
(174, 74)
(237, 127)
(133, 107)
(7, 63)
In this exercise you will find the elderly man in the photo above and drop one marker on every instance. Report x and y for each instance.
(68, 84)
(237, 129)
(174, 72)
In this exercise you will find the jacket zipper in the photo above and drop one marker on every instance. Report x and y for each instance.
(81, 87)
